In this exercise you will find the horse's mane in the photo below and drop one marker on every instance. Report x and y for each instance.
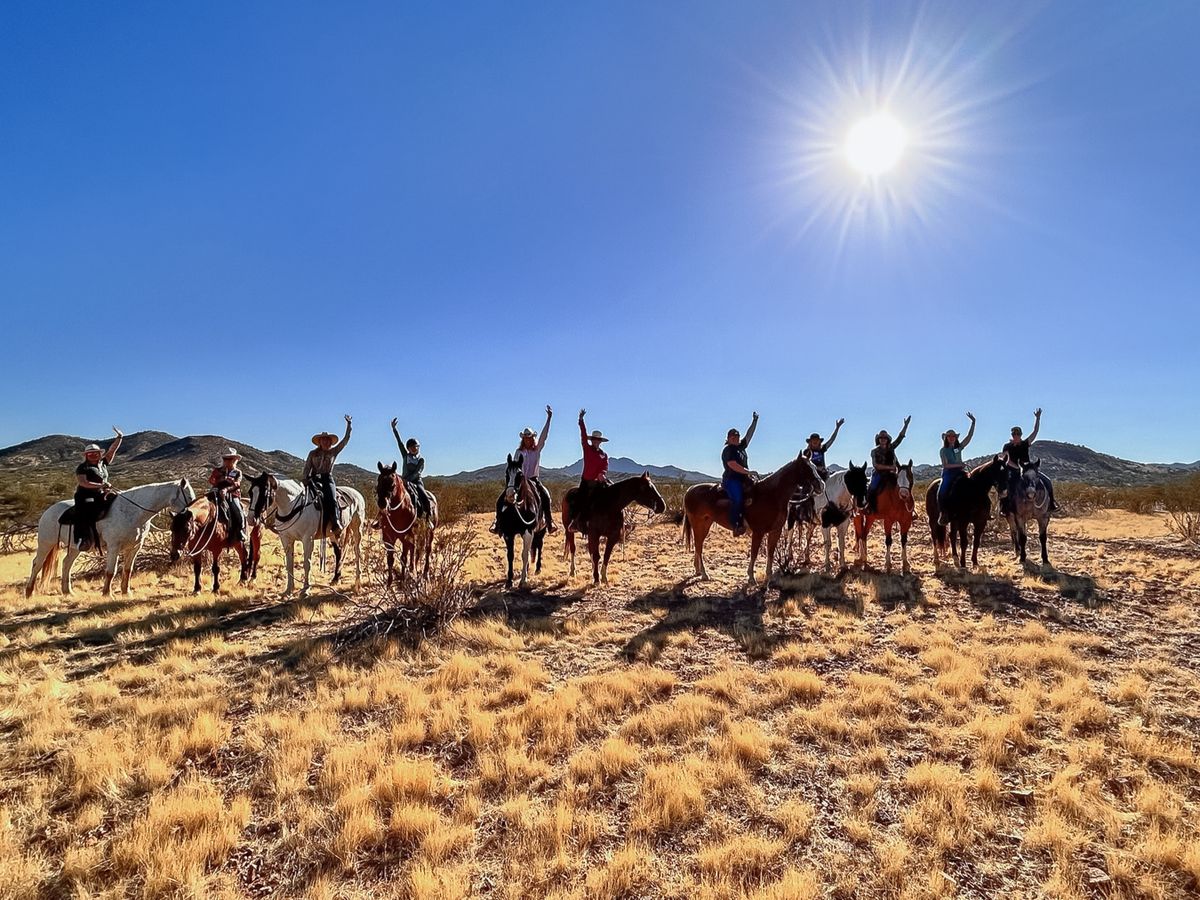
(777, 476)
(979, 468)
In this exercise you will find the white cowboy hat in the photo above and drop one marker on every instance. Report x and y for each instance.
(597, 436)
(317, 438)
(92, 448)
(528, 432)
(231, 453)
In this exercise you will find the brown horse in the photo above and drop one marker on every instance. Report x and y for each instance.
(765, 515)
(894, 505)
(199, 529)
(969, 504)
(400, 522)
(606, 518)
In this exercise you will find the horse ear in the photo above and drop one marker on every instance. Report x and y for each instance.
(1038, 464)
(510, 459)
(392, 467)
(909, 462)
(646, 475)
(380, 464)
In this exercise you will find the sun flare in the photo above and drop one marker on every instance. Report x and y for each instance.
(875, 144)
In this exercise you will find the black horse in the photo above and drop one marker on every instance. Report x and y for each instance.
(521, 513)
(968, 504)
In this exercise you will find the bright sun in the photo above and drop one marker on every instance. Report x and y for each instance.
(874, 144)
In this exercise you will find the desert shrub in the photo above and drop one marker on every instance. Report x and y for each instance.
(1181, 500)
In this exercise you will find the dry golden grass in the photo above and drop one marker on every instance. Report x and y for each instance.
(859, 737)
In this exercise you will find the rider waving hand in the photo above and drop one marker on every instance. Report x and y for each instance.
(1016, 456)
(952, 466)
(883, 461)
(736, 475)
(92, 490)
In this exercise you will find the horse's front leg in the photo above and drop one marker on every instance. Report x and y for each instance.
(526, 541)
(887, 542)
(594, 552)
(755, 544)
(127, 562)
(829, 547)
(68, 561)
(216, 571)
(772, 543)
(306, 547)
(111, 561)
(289, 563)
(569, 543)
(243, 562)
(609, 543)
(196, 574)
(1043, 527)
(508, 543)
(390, 564)
(904, 570)
(975, 546)
(337, 562)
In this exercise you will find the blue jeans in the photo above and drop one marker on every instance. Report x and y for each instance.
(877, 482)
(736, 489)
(949, 476)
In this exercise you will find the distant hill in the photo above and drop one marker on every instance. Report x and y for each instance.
(151, 455)
(617, 466)
(1073, 462)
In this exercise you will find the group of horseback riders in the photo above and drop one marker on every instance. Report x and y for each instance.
(94, 493)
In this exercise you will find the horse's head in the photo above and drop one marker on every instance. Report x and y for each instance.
(512, 474)
(856, 482)
(385, 487)
(183, 526)
(186, 493)
(809, 476)
(904, 480)
(647, 495)
(262, 495)
(1031, 479)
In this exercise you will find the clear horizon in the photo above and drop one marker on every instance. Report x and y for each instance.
(641, 209)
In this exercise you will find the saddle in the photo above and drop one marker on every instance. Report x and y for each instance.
(68, 515)
(418, 500)
(343, 503)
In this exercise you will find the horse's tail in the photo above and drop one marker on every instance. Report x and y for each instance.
(40, 580)
(686, 536)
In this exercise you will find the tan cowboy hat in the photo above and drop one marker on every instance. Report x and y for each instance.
(92, 448)
(597, 436)
(231, 453)
(528, 432)
(317, 438)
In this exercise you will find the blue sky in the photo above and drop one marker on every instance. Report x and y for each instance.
(641, 208)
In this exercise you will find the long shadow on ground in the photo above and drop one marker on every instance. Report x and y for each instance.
(740, 617)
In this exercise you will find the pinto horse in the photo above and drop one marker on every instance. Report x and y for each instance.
(894, 505)
(521, 514)
(765, 514)
(198, 529)
(968, 504)
(400, 521)
(606, 518)
(832, 508)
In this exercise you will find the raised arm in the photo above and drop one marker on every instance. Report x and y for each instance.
(837, 426)
(903, 432)
(970, 432)
(582, 429)
(750, 430)
(1037, 424)
(545, 429)
(341, 445)
(115, 445)
(396, 432)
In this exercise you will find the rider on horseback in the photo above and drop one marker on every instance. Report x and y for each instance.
(318, 469)
(226, 483)
(1016, 456)
(93, 493)
(411, 468)
(595, 474)
(815, 451)
(953, 467)
(736, 476)
(883, 461)
(530, 451)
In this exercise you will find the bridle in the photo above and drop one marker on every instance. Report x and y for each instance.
(386, 510)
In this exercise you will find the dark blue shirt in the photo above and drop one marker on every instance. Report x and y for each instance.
(734, 453)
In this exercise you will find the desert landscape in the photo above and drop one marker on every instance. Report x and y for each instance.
(1008, 731)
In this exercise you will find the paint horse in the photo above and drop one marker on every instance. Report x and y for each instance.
(766, 511)
(894, 506)
(606, 518)
(401, 523)
(521, 515)
(830, 509)
(199, 529)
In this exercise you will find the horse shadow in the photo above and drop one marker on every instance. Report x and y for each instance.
(890, 590)
(823, 589)
(1079, 588)
(740, 617)
(998, 595)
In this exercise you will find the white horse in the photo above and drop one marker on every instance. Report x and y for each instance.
(122, 531)
(287, 509)
(831, 508)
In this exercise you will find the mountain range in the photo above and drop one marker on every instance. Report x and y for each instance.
(151, 455)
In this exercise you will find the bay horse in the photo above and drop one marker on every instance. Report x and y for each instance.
(830, 509)
(766, 511)
(290, 510)
(969, 504)
(1032, 502)
(400, 522)
(894, 505)
(521, 514)
(198, 529)
(606, 518)
(122, 531)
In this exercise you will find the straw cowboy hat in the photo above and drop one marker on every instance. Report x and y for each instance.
(528, 432)
(92, 448)
(597, 437)
(231, 453)
(317, 438)
(948, 432)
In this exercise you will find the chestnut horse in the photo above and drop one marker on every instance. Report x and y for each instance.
(400, 521)
(765, 514)
(199, 529)
(894, 505)
(606, 519)
(969, 504)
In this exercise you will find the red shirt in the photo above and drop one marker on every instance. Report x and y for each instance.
(595, 460)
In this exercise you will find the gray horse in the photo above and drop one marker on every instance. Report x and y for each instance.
(1031, 501)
